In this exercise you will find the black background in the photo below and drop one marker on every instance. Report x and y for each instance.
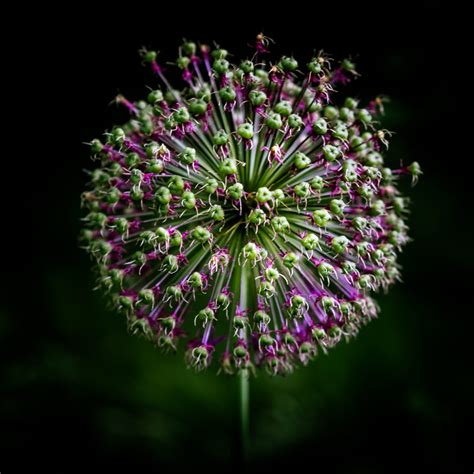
(79, 393)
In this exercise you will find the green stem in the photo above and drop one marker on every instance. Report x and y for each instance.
(244, 413)
(244, 373)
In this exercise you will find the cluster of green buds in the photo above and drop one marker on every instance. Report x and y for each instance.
(245, 210)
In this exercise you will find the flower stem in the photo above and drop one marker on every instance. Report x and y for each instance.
(244, 413)
(244, 373)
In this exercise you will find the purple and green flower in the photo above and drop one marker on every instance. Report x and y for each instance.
(246, 213)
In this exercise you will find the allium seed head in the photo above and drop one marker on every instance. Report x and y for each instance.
(245, 212)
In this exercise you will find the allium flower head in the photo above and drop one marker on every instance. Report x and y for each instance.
(245, 212)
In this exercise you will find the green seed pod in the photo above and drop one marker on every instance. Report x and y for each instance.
(320, 127)
(245, 130)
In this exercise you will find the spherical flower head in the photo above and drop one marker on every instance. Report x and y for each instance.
(244, 211)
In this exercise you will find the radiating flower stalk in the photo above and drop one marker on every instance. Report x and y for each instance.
(246, 210)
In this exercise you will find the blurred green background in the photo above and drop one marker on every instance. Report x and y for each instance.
(76, 387)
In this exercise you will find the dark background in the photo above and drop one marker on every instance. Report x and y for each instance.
(78, 392)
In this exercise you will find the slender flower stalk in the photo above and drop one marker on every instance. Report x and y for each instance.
(246, 211)
(244, 413)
